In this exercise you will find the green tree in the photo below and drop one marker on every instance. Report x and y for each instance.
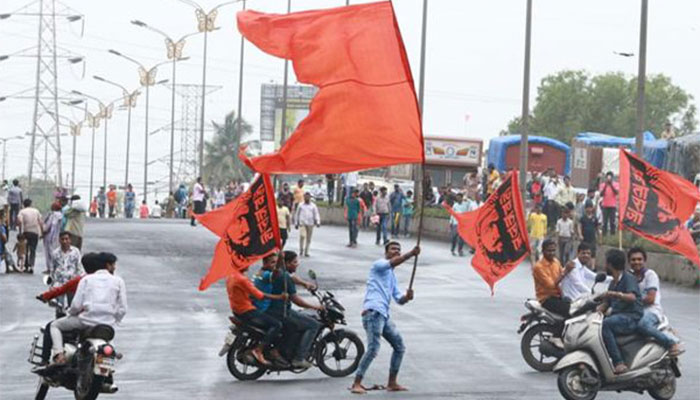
(570, 102)
(221, 162)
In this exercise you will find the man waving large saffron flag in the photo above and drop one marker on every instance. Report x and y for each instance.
(655, 205)
(365, 114)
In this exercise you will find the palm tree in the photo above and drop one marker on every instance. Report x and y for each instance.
(221, 162)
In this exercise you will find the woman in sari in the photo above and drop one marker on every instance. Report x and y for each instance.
(52, 227)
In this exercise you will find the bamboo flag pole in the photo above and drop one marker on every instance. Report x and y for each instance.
(420, 200)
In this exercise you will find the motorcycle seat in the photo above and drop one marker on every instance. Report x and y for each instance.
(104, 332)
(245, 326)
(624, 340)
(535, 305)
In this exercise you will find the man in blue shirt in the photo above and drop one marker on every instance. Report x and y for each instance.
(624, 300)
(381, 288)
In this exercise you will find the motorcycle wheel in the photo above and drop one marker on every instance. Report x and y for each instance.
(347, 354)
(572, 388)
(242, 371)
(42, 389)
(530, 345)
(665, 391)
(88, 385)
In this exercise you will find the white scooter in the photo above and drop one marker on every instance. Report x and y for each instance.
(587, 368)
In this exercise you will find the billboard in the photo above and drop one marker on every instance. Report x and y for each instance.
(453, 151)
(271, 105)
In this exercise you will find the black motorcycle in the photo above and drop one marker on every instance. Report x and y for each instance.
(336, 352)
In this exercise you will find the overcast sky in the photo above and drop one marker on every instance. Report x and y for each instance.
(474, 63)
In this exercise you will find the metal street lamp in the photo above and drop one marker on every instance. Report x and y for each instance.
(75, 128)
(105, 114)
(205, 24)
(4, 151)
(174, 52)
(93, 121)
(147, 78)
(129, 102)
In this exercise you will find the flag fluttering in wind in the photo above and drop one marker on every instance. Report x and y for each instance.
(655, 204)
(497, 231)
(365, 114)
(248, 230)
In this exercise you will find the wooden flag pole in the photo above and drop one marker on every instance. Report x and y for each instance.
(420, 225)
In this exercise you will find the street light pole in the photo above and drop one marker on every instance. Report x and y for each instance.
(204, 94)
(283, 129)
(4, 151)
(239, 121)
(525, 115)
(641, 79)
(145, 158)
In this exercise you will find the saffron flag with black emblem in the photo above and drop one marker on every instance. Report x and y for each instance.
(497, 231)
(365, 114)
(248, 230)
(655, 204)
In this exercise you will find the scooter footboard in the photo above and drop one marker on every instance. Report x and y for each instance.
(574, 358)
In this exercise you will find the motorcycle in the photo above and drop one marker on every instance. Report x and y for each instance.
(90, 361)
(336, 352)
(587, 369)
(541, 346)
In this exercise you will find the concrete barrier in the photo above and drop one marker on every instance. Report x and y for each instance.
(671, 268)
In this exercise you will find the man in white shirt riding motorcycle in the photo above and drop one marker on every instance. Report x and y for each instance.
(99, 299)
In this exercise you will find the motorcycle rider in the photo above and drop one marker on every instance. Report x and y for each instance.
(292, 320)
(623, 298)
(651, 299)
(99, 299)
(381, 288)
(240, 291)
(573, 285)
(548, 273)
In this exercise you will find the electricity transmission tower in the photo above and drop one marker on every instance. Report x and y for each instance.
(44, 134)
(189, 127)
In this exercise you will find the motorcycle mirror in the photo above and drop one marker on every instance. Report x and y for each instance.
(600, 277)
(47, 280)
(312, 274)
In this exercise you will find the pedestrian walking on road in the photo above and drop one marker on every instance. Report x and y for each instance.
(459, 206)
(93, 207)
(565, 236)
(368, 199)
(609, 191)
(4, 205)
(32, 226)
(396, 200)
(53, 223)
(198, 199)
(129, 201)
(306, 217)
(298, 194)
(382, 208)
(407, 212)
(112, 201)
(101, 201)
(20, 250)
(381, 288)
(352, 215)
(284, 220)
(3, 241)
(330, 187)
(15, 200)
(144, 212)
(74, 215)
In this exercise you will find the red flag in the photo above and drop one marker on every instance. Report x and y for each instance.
(497, 231)
(248, 230)
(655, 205)
(365, 114)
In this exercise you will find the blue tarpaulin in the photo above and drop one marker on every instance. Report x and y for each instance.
(498, 147)
(654, 149)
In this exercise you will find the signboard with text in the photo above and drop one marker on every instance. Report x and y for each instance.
(453, 151)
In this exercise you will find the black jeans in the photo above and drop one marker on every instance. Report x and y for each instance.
(14, 210)
(306, 326)
(557, 305)
(331, 191)
(284, 234)
(352, 227)
(609, 220)
(32, 241)
(271, 326)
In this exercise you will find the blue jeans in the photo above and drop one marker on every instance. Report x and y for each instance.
(456, 239)
(647, 327)
(381, 228)
(406, 223)
(377, 326)
(617, 324)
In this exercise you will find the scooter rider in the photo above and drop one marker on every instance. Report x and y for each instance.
(548, 273)
(623, 298)
(99, 299)
(574, 284)
(292, 319)
(651, 299)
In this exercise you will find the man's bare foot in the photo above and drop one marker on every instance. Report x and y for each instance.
(395, 387)
(257, 353)
(676, 350)
(59, 358)
(357, 388)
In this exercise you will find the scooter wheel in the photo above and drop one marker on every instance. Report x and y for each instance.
(571, 385)
(665, 391)
(530, 347)
(42, 389)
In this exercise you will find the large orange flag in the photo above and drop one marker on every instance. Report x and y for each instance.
(497, 231)
(655, 205)
(365, 114)
(248, 230)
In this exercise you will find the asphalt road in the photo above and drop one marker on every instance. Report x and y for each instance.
(461, 341)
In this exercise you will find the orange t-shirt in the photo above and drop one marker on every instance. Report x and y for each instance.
(112, 197)
(239, 289)
(546, 274)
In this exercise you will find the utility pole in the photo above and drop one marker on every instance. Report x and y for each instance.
(239, 121)
(525, 115)
(284, 90)
(418, 175)
(641, 79)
